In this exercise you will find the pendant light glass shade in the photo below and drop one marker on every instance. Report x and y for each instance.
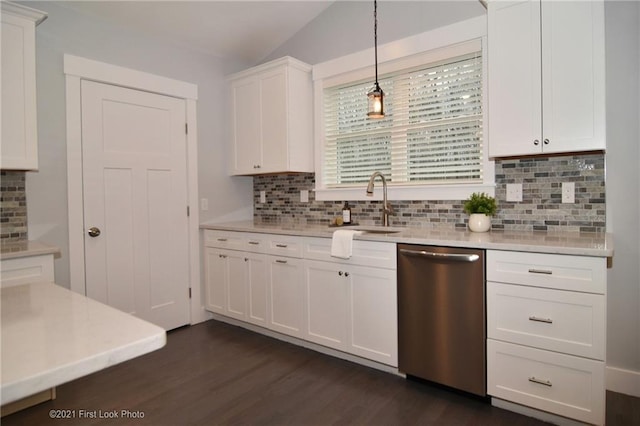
(376, 102)
(376, 96)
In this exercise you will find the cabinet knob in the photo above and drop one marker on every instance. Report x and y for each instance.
(94, 232)
(546, 141)
(340, 273)
(536, 142)
(346, 274)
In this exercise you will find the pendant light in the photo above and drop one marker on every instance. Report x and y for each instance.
(376, 95)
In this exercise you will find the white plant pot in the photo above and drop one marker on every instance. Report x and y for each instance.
(479, 222)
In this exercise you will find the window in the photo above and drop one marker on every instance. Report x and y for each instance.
(431, 134)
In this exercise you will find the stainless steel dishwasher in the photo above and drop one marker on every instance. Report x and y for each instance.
(441, 315)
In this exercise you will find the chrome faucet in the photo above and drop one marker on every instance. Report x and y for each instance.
(386, 207)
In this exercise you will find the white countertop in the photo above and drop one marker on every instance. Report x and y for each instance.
(25, 249)
(572, 243)
(51, 335)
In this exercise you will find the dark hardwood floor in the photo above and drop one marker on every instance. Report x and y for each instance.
(217, 374)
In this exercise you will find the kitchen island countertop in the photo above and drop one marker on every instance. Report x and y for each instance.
(51, 335)
(571, 243)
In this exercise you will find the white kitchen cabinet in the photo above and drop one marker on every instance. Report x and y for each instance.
(226, 282)
(271, 118)
(546, 329)
(286, 295)
(352, 307)
(24, 270)
(236, 280)
(19, 123)
(292, 285)
(374, 314)
(546, 77)
(327, 299)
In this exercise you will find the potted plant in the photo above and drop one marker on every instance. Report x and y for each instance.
(480, 207)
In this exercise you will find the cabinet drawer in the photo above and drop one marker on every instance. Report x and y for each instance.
(562, 384)
(231, 240)
(365, 253)
(561, 321)
(284, 245)
(25, 270)
(576, 273)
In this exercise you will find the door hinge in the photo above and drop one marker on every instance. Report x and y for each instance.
(186, 128)
(189, 292)
(188, 211)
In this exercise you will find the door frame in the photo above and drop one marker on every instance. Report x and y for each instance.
(77, 69)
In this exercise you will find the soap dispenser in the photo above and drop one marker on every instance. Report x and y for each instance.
(346, 214)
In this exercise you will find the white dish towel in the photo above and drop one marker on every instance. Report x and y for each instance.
(342, 243)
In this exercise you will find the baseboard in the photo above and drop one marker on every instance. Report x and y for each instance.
(623, 381)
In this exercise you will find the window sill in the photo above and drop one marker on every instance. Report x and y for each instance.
(441, 192)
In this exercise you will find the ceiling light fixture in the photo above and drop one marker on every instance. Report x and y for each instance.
(376, 95)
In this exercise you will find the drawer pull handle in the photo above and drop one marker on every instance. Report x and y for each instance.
(222, 239)
(255, 243)
(222, 256)
(281, 245)
(280, 261)
(540, 271)
(540, 382)
(545, 320)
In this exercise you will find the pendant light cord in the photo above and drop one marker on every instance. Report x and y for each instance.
(375, 36)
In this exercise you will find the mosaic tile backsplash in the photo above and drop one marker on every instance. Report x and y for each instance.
(541, 208)
(13, 207)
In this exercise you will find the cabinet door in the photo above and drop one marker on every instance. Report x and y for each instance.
(215, 271)
(19, 125)
(257, 284)
(515, 101)
(573, 76)
(374, 314)
(247, 151)
(327, 303)
(274, 119)
(236, 284)
(286, 295)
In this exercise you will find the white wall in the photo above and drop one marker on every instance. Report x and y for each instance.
(65, 31)
(622, 20)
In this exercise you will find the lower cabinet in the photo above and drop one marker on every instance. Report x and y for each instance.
(346, 305)
(546, 329)
(236, 284)
(353, 309)
(23, 270)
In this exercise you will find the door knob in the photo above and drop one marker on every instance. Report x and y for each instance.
(93, 232)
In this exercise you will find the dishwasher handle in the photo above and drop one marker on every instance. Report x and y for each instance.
(454, 257)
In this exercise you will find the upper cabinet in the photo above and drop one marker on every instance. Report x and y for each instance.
(19, 124)
(546, 77)
(271, 113)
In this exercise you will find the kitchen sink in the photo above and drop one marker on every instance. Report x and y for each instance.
(377, 229)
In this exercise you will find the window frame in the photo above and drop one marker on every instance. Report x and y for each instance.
(442, 43)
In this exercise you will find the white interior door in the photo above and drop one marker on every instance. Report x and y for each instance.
(135, 194)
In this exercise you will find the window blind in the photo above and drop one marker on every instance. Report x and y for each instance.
(431, 134)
